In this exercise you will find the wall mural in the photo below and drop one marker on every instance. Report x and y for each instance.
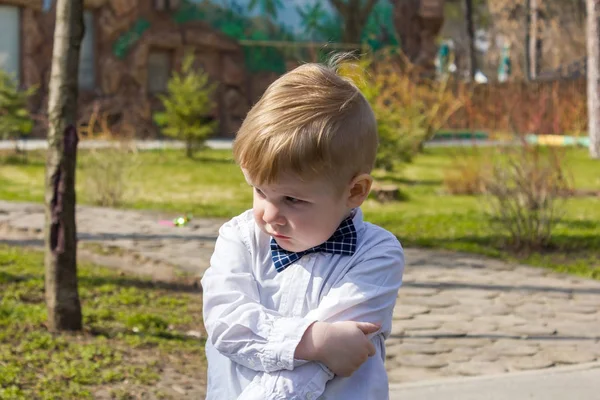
(287, 24)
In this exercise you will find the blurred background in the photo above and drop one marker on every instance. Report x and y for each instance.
(525, 52)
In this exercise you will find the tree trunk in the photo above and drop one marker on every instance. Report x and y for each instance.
(62, 298)
(534, 44)
(471, 56)
(355, 17)
(593, 75)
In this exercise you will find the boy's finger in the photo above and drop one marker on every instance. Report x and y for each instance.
(367, 327)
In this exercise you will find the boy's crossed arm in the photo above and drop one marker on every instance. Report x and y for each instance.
(263, 340)
(342, 346)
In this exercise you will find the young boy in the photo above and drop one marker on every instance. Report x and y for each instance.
(299, 295)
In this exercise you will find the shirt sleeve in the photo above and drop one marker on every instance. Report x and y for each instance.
(238, 326)
(367, 293)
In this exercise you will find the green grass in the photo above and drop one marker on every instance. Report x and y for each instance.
(133, 330)
(212, 186)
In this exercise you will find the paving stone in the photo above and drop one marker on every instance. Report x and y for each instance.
(531, 330)
(486, 356)
(568, 316)
(584, 329)
(475, 293)
(417, 291)
(465, 342)
(421, 361)
(569, 356)
(472, 310)
(429, 349)
(417, 324)
(518, 351)
(419, 340)
(444, 317)
(437, 301)
(474, 368)
(466, 351)
(575, 308)
(397, 328)
(407, 311)
(498, 310)
(501, 320)
(463, 326)
(510, 299)
(438, 333)
(527, 363)
(454, 357)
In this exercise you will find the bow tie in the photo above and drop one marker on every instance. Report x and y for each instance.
(343, 241)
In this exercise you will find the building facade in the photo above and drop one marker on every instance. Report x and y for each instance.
(128, 52)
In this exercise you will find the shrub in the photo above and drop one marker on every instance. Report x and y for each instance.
(408, 110)
(108, 172)
(525, 189)
(465, 176)
(187, 105)
(15, 120)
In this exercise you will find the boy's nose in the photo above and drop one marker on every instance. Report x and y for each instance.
(271, 215)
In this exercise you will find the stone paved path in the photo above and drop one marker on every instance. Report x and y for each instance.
(457, 314)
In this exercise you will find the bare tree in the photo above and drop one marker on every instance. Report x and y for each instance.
(355, 14)
(471, 56)
(593, 75)
(62, 298)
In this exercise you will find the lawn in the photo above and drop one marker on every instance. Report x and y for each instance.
(134, 344)
(212, 185)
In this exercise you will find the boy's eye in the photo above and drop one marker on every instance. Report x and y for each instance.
(292, 200)
(259, 192)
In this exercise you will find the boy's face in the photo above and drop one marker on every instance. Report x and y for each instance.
(299, 215)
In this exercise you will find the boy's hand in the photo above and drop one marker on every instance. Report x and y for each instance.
(342, 346)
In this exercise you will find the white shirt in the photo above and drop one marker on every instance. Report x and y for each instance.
(255, 316)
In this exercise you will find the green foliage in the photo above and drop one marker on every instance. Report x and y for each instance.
(269, 7)
(128, 39)
(188, 104)
(312, 17)
(15, 120)
(401, 125)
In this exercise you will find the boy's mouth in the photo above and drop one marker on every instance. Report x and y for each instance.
(279, 236)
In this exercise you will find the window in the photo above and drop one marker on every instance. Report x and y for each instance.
(159, 70)
(87, 71)
(166, 5)
(10, 40)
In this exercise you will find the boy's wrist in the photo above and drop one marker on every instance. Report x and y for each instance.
(309, 348)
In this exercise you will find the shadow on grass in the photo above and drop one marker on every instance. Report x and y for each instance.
(111, 333)
(193, 286)
(211, 159)
(20, 160)
(579, 224)
(409, 182)
(108, 237)
(6, 277)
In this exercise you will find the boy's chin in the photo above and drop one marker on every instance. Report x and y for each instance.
(290, 245)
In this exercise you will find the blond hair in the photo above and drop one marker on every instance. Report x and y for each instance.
(310, 122)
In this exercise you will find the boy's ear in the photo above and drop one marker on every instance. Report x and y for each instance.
(360, 187)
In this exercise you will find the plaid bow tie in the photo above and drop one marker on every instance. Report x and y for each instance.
(343, 241)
